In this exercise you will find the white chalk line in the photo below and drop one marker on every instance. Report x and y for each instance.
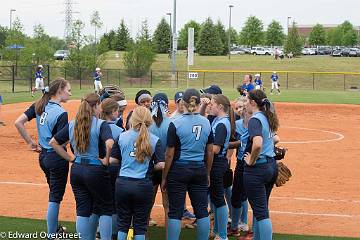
(338, 137)
(25, 183)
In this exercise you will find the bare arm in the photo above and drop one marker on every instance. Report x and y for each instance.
(159, 166)
(276, 139)
(216, 149)
(59, 149)
(250, 159)
(209, 157)
(108, 143)
(204, 103)
(169, 155)
(114, 161)
(20, 126)
(235, 144)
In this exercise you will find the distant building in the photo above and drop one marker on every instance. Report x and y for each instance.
(305, 30)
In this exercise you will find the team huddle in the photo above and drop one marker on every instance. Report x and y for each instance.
(119, 164)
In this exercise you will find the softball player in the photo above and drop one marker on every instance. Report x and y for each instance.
(139, 152)
(142, 98)
(90, 179)
(260, 170)
(239, 199)
(97, 80)
(274, 83)
(223, 128)
(110, 113)
(189, 138)
(247, 85)
(39, 80)
(258, 81)
(50, 119)
(179, 105)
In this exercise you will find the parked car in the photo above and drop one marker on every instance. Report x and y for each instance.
(336, 53)
(345, 52)
(308, 51)
(323, 51)
(236, 51)
(61, 54)
(353, 52)
(260, 51)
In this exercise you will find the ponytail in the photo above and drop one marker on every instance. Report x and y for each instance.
(191, 106)
(225, 102)
(158, 118)
(50, 91)
(83, 120)
(140, 121)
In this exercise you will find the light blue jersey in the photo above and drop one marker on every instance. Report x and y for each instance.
(46, 123)
(244, 137)
(161, 132)
(267, 149)
(115, 130)
(130, 167)
(226, 122)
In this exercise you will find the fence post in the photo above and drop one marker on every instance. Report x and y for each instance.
(65, 72)
(80, 77)
(204, 80)
(30, 75)
(151, 78)
(287, 80)
(177, 79)
(107, 76)
(48, 69)
(313, 81)
(344, 82)
(233, 79)
(13, 79)
(119, 77)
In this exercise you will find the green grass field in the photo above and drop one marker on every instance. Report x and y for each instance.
(30, 226)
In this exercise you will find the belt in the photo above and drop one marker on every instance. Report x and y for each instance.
(190, 163)
(88, 161)
(263, 160)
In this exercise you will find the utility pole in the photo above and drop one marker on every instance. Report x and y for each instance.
(170, 50)
(11, 11)
(174, 45)
(229, 42)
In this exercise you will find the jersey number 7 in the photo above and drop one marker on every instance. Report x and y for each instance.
(197, 130)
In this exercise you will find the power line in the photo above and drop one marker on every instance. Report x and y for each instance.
(68, 18)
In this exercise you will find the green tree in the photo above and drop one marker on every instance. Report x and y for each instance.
(122, 37)
(349, 34)
(183, 35)
(220, 28)
(334, 37)
(275, 35)
(317, 35)
(234, 38)
(161, 38)
(138, 58)
(96, 22)
(252, 33)
(293, 42)
(209, 42)
(39, 47)
(3, 35)
(144, 33)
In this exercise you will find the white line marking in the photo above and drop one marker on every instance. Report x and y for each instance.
(339, 136)
(24, 183)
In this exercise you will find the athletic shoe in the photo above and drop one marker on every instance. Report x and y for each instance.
(61, 229)
(233, 232)
(192, 225)
(229, 220)
(114, 237)
(152, 223)
(243, 227)
(188, 215)
(217, 237)
(98, 235)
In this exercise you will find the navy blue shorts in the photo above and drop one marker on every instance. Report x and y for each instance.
(259, 181)
(191, 178)
(92, 189)
(238, 191)
(56, 170)
(218, 169)
(133, 202)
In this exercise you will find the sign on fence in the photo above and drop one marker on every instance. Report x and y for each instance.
(193, 75)
(190, 53)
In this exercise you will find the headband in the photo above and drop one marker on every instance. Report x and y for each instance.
(144, 96)
(122, 103)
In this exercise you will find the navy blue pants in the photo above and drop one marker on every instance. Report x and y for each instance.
(92, 189)
(238, 190)
(191, 178)
(218, 169)
(56, 170)
(259, 181)
(133, 202)
(114, 173)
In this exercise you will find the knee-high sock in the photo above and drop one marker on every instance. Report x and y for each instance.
(105, 225)
(255, 229)
(52, 217)
(93, 223)
(114, 224)
(244, 212)
(265, 229)
(228, 199)
(174, 228)
(235, 217)
(139, 237)
(122, 236)
(82, 227)
(222, 214)
(203, 228)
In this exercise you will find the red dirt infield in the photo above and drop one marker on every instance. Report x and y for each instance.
(322, 197)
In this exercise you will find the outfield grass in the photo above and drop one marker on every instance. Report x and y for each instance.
(299, 96)
(23, 225)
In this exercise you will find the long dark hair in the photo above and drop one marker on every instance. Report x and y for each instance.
(266, 107)
(54, 86)
(83, 120)
(225, 102)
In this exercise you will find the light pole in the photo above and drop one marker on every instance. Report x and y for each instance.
(229, 42)
(174, 45)
(169, 14)
(11, 11)
(287, 26)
